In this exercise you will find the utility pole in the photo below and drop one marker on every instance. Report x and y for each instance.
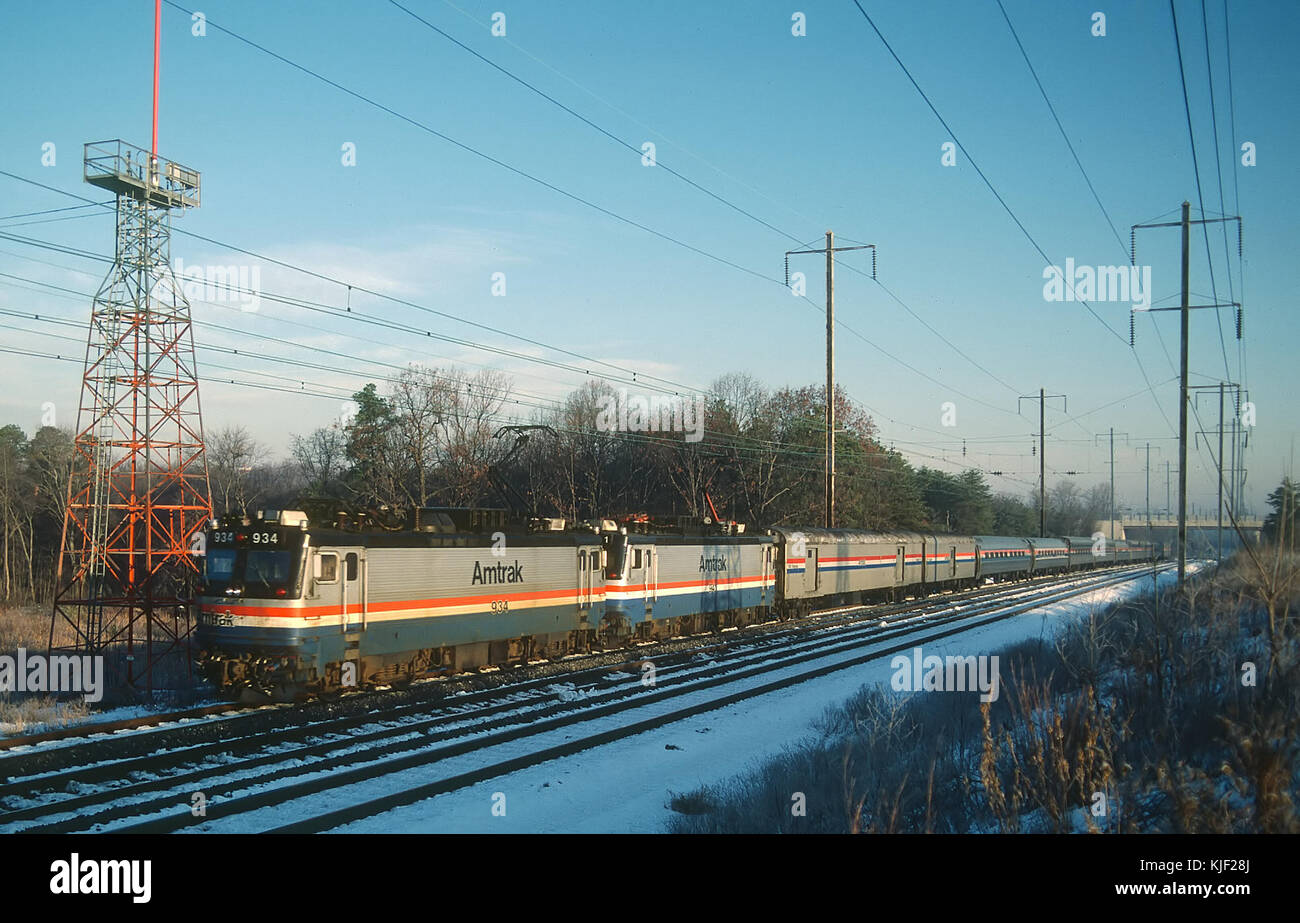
(1182, 396)
(1042, 454)
(1221, 387)
(1112, 475)
(830, 250)
(1232, 486)
(1184, 310)
(1219, 534)
(1239, 464)
(1148, 468)
(1150, 524)
(830, 379)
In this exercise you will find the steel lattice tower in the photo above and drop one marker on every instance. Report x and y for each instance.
(139, 494)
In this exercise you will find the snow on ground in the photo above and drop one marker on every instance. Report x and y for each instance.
(88, 725)
(624, 787)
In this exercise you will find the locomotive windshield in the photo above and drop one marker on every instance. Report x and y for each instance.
(616, 552)
(267, 569)
(219, 565)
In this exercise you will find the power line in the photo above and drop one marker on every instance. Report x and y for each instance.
(1218, 161)
(476, 152)
(627, 115)
(350, 313)
(877, 460)
(1091, 188)
(660, 164)
(422, 126)
(993, 189)
(1001, 200)
(51, 211)
(586, 121)
(1196, 167)
(72, 294)
(1061, 128)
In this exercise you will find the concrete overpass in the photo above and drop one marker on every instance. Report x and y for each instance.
(1202, 532)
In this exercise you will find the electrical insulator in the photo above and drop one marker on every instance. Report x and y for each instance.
(873, 262)
(1132, 329)
(1239, 322)
(1132, 247)
(787, 271)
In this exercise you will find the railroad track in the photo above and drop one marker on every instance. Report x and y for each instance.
(190, 725)
(263, 773)
(60, 752)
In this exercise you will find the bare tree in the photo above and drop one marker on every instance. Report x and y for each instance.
(470, 417)
(322, 456)
(418, 403)
(232, 455)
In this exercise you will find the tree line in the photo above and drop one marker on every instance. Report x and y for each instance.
(433, 437)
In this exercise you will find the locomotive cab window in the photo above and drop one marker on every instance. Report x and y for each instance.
(636, 558)
(219, 565)
(326, 567)
(351, 561)
(616, 555)
(268, 567)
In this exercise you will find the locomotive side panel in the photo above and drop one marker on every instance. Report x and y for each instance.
(390, 603)
(672, 578)
(443, 597)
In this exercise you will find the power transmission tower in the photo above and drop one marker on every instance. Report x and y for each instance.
(139, 495)
(830, 250)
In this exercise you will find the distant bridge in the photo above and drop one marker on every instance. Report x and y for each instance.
(1202, 532)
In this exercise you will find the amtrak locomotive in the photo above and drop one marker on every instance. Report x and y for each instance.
(293, 606)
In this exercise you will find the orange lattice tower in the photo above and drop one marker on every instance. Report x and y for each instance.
(139, 495)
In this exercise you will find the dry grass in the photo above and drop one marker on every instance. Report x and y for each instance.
(24, 626)
(1140, 718)
(32, 714)
(28, 627)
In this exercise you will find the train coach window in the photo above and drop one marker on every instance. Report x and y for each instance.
(326, 568)
(351, 561)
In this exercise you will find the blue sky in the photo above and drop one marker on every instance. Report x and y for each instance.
(806, 133)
